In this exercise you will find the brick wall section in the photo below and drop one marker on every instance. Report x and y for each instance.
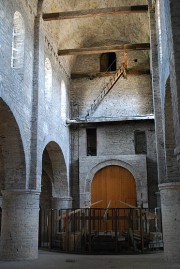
(127, 98)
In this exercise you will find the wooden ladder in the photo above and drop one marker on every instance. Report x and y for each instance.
(121, 72)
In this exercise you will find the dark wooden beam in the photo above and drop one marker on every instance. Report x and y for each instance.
(130, 72)
(104, 49)
(94, 12)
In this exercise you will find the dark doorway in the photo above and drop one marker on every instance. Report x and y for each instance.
(108, 62)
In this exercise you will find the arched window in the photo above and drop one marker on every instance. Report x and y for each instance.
(63, 100)
(48, 82)
(108, 62)
(159, 29)
(17, 59)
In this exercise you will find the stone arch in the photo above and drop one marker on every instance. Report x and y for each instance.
(12, 155)
(17, 59)
(120, 163)
(172, 171)
(55, 168)
(102, 165)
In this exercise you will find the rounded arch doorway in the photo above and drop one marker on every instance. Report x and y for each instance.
(113, 187)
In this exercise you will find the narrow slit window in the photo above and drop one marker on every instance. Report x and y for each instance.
(140, 142)
(91, 142)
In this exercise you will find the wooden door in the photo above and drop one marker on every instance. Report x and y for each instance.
(115, 184)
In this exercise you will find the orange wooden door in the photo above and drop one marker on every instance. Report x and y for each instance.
(113, 184)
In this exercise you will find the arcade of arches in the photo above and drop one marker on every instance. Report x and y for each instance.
(89, 118)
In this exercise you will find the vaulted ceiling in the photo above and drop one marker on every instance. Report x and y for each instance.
(96, 30)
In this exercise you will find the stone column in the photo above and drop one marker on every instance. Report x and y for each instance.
(156, 94)
(38, 83)
(169, 189)
(61, 203)
(19, 231)
(170, 204)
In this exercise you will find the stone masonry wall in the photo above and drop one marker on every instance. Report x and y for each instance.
(24, 95)
(16, 90)
(114, 140)
(127, 98)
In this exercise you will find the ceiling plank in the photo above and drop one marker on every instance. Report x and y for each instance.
(94, 12)
(130, 72)
(104, 49)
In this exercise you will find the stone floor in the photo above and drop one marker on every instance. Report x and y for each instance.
(51, 260)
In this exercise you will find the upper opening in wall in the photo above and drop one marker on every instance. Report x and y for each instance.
(17, 59)
(140, 142)
(108, 62)
(91, 135)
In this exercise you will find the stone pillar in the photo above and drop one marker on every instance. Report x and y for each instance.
(170, 203)
(156, 93)
(38, 83)
(61, 203)
(19, 231)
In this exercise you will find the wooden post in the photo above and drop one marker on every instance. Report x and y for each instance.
(141, 231)
(89, 230)
(67, 231)
(50, 229)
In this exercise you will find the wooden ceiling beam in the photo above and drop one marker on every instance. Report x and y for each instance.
(104, 49)
(130, 72)
(94, 12)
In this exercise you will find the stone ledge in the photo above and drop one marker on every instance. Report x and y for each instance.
(170, 185)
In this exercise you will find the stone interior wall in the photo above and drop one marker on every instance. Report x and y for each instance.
(23, 95)
(114, 140)
(17, 91)
(129, 97)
